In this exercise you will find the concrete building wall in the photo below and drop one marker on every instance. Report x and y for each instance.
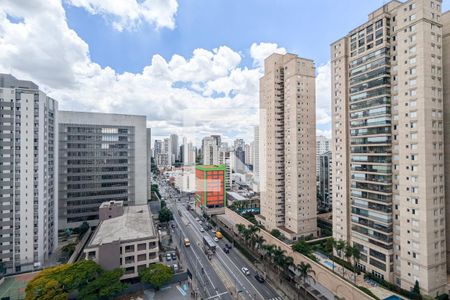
(28, 189)
(118, 146)
(287, 151)
(446, 83)
(395, 159)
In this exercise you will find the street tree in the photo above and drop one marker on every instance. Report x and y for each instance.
(157, 275)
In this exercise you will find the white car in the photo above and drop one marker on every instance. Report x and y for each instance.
(216, 239)
(245, 271)
(202, 230)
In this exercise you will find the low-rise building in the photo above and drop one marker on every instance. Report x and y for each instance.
(126, 240)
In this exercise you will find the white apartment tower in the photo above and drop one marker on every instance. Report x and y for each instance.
(322, 146)
(387, 144)
(28, 174)
(288, 143)
(210, 150)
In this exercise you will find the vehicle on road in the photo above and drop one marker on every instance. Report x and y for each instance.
(202, 230)
(168, 257)
(245, 271)
(216, 239)
(219, 235)
(228, 246)
(259, 277)
(208, 244)
(226, 250)
(174, 256)
(187, 243)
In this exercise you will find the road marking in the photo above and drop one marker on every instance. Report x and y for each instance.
(189, 216)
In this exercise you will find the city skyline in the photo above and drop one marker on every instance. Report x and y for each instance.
(160, 78)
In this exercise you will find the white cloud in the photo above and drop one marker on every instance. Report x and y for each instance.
(210, 87)
(209, 92)
(261, 51)
(323, 94)
(127, 14)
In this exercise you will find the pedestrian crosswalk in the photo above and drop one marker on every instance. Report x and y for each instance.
(276, 298)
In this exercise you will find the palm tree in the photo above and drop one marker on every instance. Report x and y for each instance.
(240, 228)
(259, 241)
(268, 251)
(279, 257)
(356, 253)
(348, 251)
(340, 245)
(303, 273)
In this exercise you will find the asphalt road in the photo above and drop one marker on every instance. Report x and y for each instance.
(247, 286)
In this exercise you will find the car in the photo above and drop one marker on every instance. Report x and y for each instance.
(228, 246)
(175, 267)
(173, 225)
(168, 257)
(259, 277)
(226, 250)
(174, 256)
(216, 239)
(245, 271)
(202, 230)
(213, 230)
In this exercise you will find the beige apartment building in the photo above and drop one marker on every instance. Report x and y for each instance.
(287, 150)
(125, 238)
(388, 143)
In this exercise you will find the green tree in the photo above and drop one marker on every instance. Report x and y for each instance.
(329, 245)
(165, 215)
(83, 228)
(106, 286)
(276, 233)
(415, 292)
(340, 245)
(163, 204)
(304, 272)
(302, 247)
(57, 282)
(348, 251)
(156, 275)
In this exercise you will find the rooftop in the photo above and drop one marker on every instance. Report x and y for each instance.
(237, 196)
(111, 204)
(135, 223)
(211, 167)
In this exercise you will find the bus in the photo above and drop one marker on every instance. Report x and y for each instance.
(208, 244)
(187, 243)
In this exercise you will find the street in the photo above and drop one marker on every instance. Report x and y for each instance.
(206, 271)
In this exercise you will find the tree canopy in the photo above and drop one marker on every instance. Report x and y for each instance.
(156, 275)
(165, 215)
(57, 282)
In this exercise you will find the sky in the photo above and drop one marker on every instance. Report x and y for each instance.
(191, 66)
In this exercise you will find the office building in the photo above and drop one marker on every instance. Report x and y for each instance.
(125, 238)
(188, 153)
(210, 194)
(103, 157)
(446, 93)
(322, 146)
(287, 134)
(388, 154)
(324, 183)
(28, 175)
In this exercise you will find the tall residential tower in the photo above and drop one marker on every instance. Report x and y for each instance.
(388, 154)
(288, 142)
(28, 175)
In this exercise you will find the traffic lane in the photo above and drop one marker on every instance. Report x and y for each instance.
(210, 274)
(233, 269)
(237, 258)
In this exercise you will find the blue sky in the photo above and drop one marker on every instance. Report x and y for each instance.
(303, 27)
(187, 65)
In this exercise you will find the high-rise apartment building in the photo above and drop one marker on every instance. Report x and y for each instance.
(188, 153)
(388, 154)
(325, 187)
(28, 175)
(103, 157)
(210, 150)
(256, 155)
(149, 163)
(174, 150)
(322, 146)
(288, 143)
